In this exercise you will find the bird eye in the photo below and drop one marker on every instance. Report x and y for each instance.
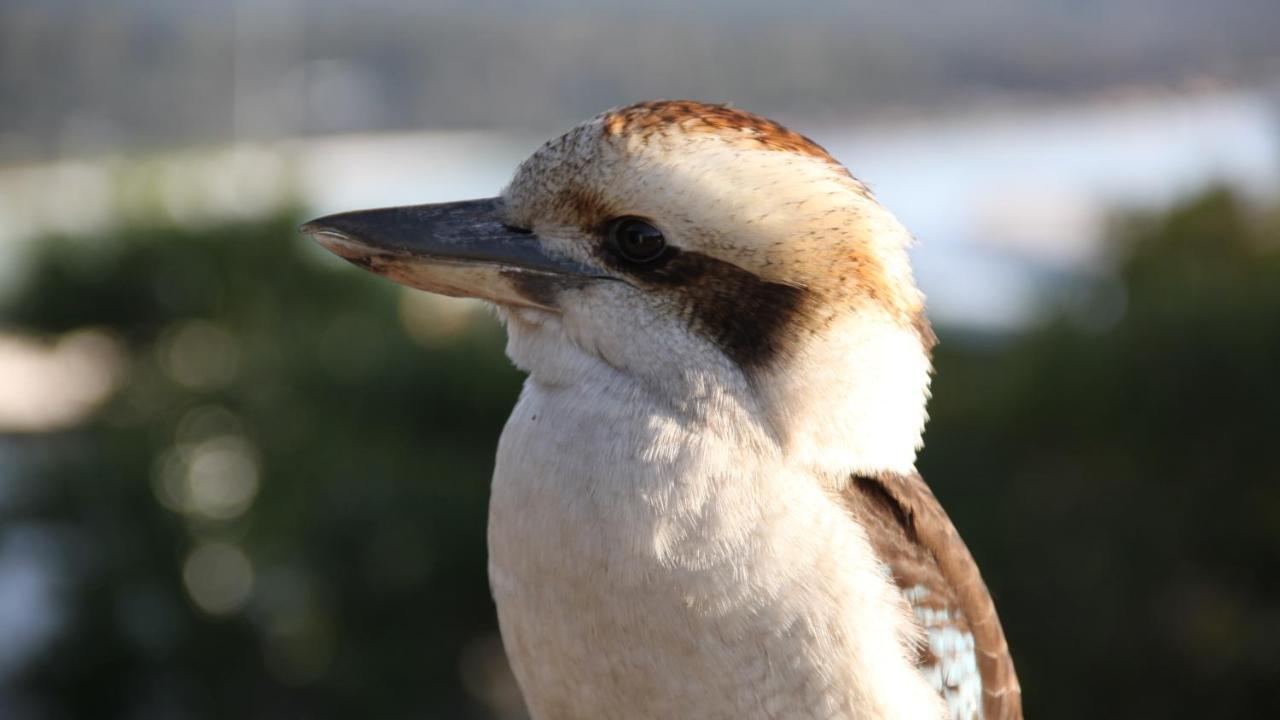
(635, 240)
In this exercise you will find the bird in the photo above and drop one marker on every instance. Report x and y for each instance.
(705, 502)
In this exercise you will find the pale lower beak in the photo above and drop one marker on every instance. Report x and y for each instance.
(461, 248)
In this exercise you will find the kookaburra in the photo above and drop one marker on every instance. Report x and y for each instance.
(705, 502)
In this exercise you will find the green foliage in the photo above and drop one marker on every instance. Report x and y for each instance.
(367, 535)
(1113, 476)
(1119, 487)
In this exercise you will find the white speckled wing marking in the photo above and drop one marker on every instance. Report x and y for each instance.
(965, 656)
(953, 670)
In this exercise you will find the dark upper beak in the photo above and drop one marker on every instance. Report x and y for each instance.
(470, 232)
(461, 248)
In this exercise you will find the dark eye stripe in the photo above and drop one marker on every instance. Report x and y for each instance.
(750, 319)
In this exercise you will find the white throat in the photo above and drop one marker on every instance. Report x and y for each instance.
(849, 399)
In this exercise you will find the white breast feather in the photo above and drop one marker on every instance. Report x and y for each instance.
(658, 560)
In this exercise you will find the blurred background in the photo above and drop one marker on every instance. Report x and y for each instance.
(240, 479)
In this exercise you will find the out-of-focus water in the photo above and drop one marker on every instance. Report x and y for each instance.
(1004, 204)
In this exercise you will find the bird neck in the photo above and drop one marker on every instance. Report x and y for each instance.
(645, 528)
(851, 399)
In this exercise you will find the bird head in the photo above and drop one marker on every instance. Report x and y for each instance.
(697, 251)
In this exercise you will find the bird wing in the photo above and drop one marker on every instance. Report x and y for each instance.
(966, 655)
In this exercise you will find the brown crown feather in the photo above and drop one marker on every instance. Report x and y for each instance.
(693, 116)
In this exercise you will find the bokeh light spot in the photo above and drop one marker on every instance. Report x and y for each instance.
(49, 386)
(222, 478)
(216, 479)
(218, 577)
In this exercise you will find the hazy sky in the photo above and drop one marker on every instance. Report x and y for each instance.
(87, 77)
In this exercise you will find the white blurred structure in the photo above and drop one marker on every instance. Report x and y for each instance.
(1003, 203)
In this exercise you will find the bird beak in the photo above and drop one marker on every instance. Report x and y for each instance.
(461, 249)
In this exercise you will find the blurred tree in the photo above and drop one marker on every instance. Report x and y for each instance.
(281, 511)
(277, 406)
(1113, 472)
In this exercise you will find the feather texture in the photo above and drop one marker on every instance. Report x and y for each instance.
(965, 654)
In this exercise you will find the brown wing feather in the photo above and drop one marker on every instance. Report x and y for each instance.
(914, 537)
